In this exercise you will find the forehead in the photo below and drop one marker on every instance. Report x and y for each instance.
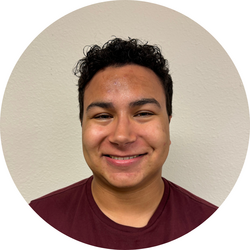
(125, 82)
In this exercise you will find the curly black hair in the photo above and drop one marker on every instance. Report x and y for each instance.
(118, 52)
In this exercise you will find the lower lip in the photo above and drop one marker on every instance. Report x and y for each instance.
(124, 163)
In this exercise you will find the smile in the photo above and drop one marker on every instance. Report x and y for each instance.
(125, 157)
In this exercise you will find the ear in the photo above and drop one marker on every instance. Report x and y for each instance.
(169, 118)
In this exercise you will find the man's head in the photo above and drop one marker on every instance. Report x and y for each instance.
(118, 52)
(125, 95)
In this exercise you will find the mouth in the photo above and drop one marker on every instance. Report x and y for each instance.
(124, 157)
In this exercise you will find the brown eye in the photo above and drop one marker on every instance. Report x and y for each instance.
(103, 117)
(144, 114)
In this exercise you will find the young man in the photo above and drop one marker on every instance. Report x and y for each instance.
(125, 97)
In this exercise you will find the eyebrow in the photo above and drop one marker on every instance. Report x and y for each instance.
(109, 105)
(104, 105)
(144, 101)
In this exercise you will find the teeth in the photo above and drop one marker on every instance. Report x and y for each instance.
(123, 158)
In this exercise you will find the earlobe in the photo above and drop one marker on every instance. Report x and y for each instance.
(169, 118)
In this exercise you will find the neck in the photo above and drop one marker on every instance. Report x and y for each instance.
(130, 207)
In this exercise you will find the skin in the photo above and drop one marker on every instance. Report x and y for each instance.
(125, 115)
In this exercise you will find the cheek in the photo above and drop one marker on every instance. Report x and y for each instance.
(92, 137)
(157, 136)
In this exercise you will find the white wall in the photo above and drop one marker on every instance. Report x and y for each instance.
(40, 130)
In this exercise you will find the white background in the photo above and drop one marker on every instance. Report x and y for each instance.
(22, 21)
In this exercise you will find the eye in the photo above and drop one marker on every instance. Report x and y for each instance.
(144, 114)
(102, 116)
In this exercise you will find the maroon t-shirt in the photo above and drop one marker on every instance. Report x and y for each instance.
(73, 211)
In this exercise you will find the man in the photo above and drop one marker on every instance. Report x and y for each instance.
(125, 97)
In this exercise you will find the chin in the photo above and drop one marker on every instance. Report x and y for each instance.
(125, 180)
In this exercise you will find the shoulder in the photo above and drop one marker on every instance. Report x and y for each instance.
(183, 210)
(187, 207)
(60, 199)
(185, 195)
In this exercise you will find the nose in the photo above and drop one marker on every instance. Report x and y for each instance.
(123, 132)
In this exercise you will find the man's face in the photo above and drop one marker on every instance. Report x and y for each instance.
(125, 126)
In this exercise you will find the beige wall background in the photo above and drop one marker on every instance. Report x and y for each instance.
(40, 130)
